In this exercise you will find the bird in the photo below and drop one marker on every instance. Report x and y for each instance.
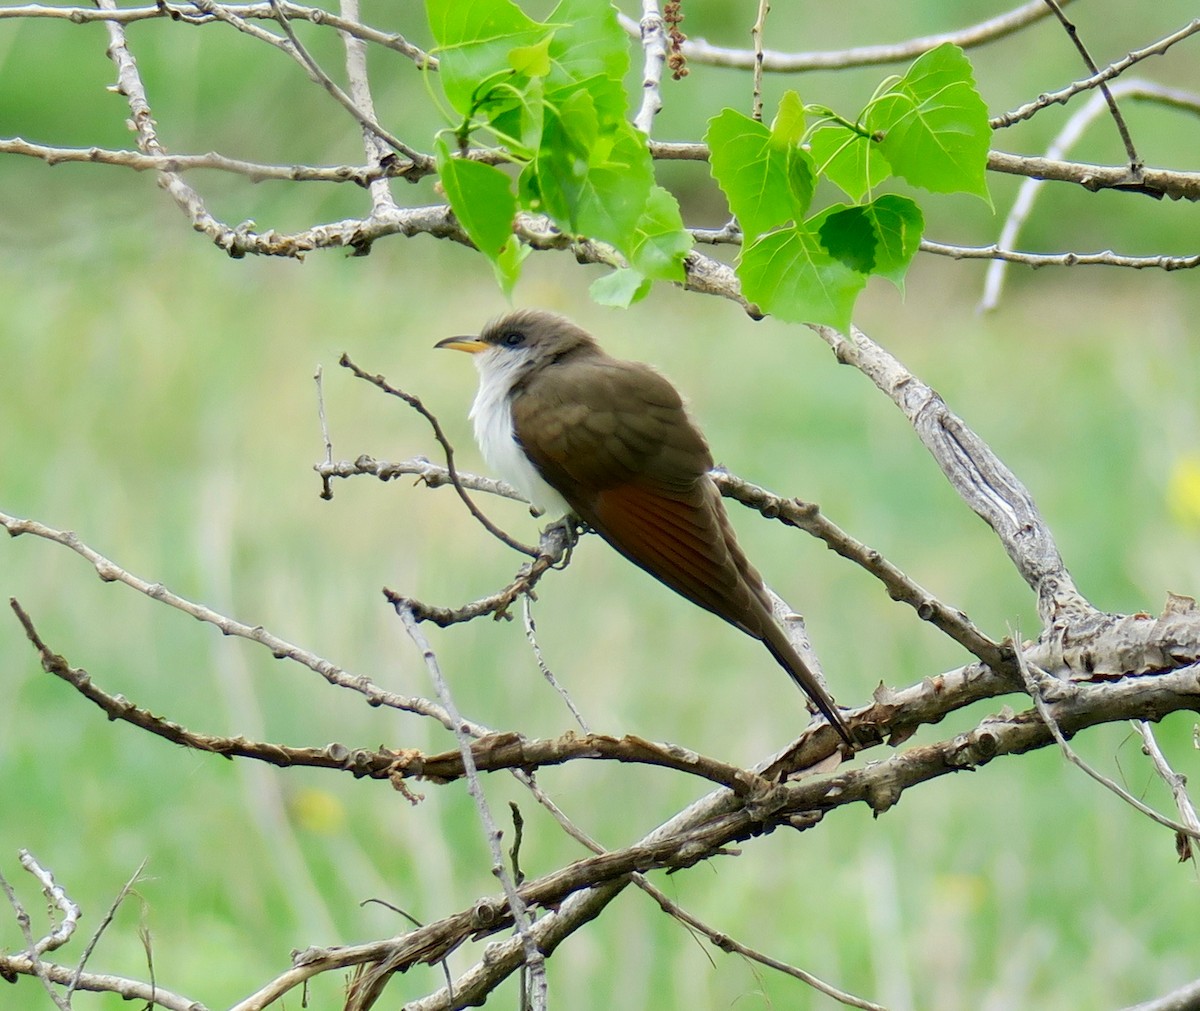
(580, 433)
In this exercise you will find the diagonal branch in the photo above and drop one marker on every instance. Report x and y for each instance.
(1072, 30)
(699, 51)
(807, 516)
(981, 479)
(188, 14)
(415, 403)
(1114, 69)
(281, 649)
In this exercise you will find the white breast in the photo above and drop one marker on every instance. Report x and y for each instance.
(491, 414)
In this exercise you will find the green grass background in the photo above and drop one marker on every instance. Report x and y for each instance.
(157, 398)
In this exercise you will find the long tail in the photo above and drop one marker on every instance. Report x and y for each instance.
(776, 640)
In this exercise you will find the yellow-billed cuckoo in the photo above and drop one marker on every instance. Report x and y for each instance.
(577, 431)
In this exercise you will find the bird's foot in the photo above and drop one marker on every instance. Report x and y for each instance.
(560, 537)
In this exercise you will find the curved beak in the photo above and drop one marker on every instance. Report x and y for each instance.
(471, 345)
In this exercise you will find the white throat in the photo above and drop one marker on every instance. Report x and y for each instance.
(491, 414)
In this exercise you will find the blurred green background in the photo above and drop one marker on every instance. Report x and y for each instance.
(157, 398)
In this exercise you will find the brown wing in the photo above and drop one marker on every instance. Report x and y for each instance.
(614, 440)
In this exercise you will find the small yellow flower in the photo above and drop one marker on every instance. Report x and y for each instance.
(318, 811)
(1183, 490)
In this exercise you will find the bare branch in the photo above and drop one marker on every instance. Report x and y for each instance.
(654, 46)
(415, 403)
(552, 549)
(534, 958)
(1114, 69)
(491, 752)
(1176, 782)
(578, 893)
(547, 673)
(360, 95)
(429, 474)
(699, 51)
(360, 175)
(1106, 258)
(1070, 134)
(190, 16)
(756, 35)
(730, 945)
(1151, 182)
(992, 490)
(109, 571)
(421, 162)
(105, 922)
(807, 516)
(1040, 690)
(1072, 31)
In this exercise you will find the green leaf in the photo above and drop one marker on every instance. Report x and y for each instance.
(660, 242)
(481, 197)
(475, 39)
(848, 234)
(789, 125)
(934, 125)
(752, 172)
(620, 288)
(507, 266)
(601, 193)
(898, 225)
(532, 61)
(802, 181)
(789, 274)
(849, 160)
(616, 190)
(590, 50)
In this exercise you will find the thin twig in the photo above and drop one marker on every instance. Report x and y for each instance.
(359, 175)
(345, 101)
(129, 84)
(1114, 69)
(1176, 782)
(1067, 137)
(57, 897)
(360, 95)
(430, 474)
(187, 13)
(105, 920)
(109, 571)
(553, 546)
(1135, 163)
(756, 35)
(807, 516)
(1104, 258)
(731, 945)
(415, 403)
(326, 488)
(535, 961)
(700, 51)
(33, 949)
(376, 764)
(547, 673)
(1035, 690)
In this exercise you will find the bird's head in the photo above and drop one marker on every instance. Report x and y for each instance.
(521, 340)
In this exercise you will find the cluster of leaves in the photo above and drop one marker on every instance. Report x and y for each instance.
(550, 98)
(552, 95)
(929, 127)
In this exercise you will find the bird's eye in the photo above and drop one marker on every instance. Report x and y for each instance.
(513, 338)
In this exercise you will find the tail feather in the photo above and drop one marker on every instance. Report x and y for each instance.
(776, 640)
